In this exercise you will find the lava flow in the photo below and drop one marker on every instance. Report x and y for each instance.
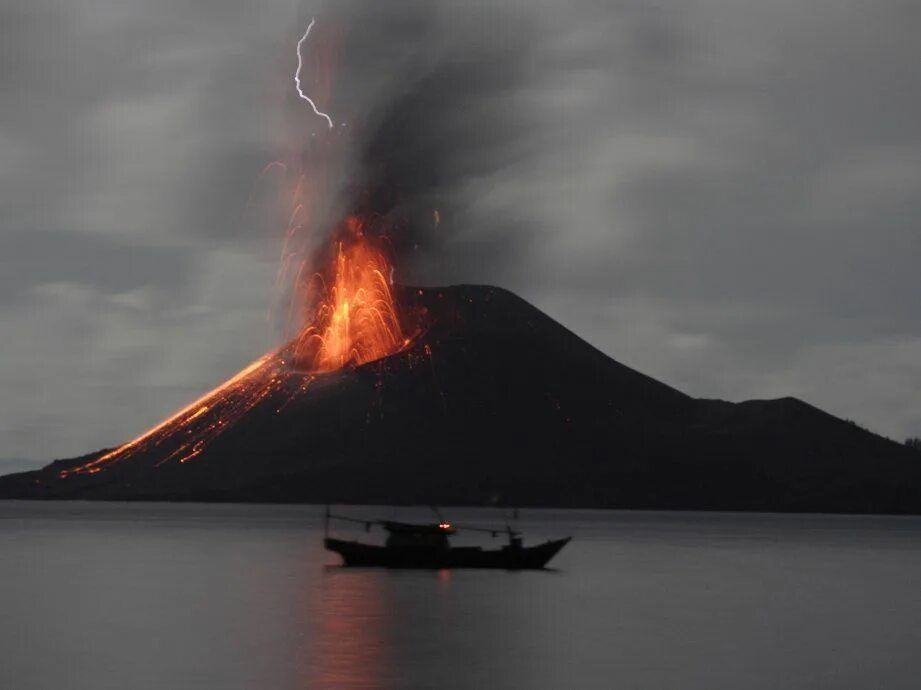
(354, 321)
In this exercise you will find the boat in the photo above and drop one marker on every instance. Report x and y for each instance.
(427, 546)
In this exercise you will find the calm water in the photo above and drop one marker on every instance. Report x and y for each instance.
(195, 596)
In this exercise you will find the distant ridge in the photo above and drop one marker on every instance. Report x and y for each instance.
(497, 403)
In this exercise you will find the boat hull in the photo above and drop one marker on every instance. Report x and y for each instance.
(357, 554)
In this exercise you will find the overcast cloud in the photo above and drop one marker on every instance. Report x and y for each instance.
(722, 194)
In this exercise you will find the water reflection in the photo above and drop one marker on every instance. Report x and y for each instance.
(236, 598)
(348, 644)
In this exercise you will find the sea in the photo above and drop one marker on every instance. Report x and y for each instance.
(219, 597)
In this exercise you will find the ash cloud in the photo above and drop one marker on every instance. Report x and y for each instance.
(449, 118)
(428, 95)
(721, 194)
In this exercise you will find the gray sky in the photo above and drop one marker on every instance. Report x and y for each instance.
(723, 194)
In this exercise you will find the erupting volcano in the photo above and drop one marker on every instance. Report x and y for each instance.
(492, 401)
(354, 321)
(341, 303)
(383, 393)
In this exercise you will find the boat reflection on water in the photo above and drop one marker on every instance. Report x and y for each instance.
(348, 646)
(421, 625)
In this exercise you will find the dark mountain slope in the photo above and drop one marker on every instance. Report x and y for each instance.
(495, 401)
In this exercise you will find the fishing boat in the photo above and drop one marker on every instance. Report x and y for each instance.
(411, 545)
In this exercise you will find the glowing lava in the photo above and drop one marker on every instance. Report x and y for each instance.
(356, 320)
(185, 434)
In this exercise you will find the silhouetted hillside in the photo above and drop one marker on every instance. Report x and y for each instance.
(496, 402)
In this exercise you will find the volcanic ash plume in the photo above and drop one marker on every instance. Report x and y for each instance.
(374, 176)
(341, 308)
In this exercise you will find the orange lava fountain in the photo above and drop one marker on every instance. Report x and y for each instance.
(356, 319)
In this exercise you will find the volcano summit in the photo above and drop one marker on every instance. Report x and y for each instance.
(490, 402)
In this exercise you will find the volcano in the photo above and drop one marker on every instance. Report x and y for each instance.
(492, 402)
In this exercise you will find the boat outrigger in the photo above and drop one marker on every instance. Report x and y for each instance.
(412, 545)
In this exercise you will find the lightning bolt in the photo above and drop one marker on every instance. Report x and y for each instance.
(297, 77)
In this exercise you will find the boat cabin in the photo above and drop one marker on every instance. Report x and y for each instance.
(403, 534)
